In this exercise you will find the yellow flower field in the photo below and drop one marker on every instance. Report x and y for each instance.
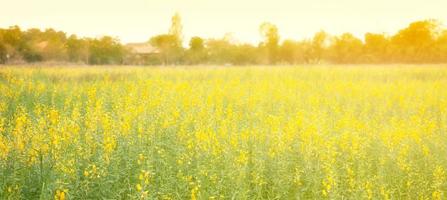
(377, 132)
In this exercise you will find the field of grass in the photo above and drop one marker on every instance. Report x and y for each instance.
(223, 133)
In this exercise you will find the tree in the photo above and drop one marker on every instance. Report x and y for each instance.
(176, 28)
(15, 44)
(346, 49)
(170, 45)
(415, 43)
(441, 47)
(3, 53)
(196, 44)
(317, 48)
(50, 44)
(220, 51)
(244, 54)
(106, 50)
(12, 36)
(270, 35)
(196, 52)
(376, 48)
(167, 44)
(293, 52)
(77, 49)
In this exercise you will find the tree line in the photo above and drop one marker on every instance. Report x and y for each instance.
(419, 42)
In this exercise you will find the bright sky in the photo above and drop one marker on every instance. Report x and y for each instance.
(138, 20)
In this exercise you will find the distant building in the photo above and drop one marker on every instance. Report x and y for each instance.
(42, 45)
(141, 48)
(141, 54)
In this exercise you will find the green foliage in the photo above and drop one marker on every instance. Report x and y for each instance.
(223, 133)
(319, 43)
(416, 42)
(376, 48)
(419, 42)
(106, 50)
(346, 49)
(270, 34)
(196, 53)
(196, 44)
(294, 52)
(3, 52)
(223, 51)
(176, 28)
(168, 45)
(77, 49)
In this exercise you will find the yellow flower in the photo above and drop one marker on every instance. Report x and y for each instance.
(60, 194)
(4, 149)
(139, 187)
(140, 158)
(194, 192)
(436, 195)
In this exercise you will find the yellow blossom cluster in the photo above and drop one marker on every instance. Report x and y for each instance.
(376, 132)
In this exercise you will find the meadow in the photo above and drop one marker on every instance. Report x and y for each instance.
(303, 132)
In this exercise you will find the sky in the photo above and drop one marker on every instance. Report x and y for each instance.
(138, 20)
